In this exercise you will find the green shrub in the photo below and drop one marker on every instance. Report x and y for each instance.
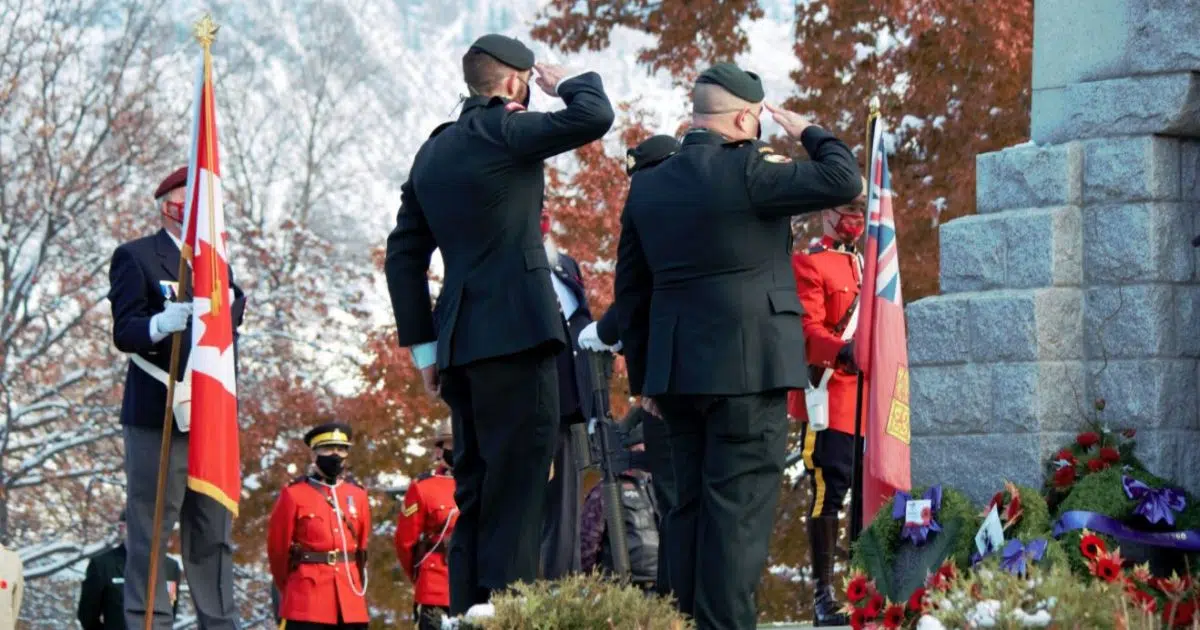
(583, 602)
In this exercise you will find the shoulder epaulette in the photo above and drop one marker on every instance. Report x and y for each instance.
(425, 475)
(440, 128)
(816, 249)
(300, 479)
(352, 480)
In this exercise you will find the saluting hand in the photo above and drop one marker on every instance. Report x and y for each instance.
(651, 407)
(548, 76)
(794, 124)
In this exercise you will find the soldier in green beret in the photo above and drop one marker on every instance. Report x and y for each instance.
(475, 192)
(710, 327)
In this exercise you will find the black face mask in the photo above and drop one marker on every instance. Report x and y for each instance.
(448, 457)
(331, 465)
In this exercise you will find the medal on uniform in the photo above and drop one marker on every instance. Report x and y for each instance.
(350, 506)
(170, 290)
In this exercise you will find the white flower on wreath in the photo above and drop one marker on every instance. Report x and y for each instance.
(929, 623)
(984, 615)
(1039, 619)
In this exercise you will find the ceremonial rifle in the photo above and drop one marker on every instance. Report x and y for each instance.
(613, 462)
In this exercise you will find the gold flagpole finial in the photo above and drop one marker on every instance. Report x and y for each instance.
(874, 105)
(205, 30)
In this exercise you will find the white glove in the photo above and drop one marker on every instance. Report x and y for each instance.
(174, 318)
(589, 339)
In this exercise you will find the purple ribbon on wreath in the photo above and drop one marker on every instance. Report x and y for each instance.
(1016, 553)
(1155, 504)
(917, 534)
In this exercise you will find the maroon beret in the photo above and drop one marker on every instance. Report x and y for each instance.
(178, 179)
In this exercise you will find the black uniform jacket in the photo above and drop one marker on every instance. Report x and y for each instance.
(568, 271)
(141, 275)
(102, 597)
(705, 294)
(475, 191)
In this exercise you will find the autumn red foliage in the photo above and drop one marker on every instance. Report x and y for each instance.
(953, 79)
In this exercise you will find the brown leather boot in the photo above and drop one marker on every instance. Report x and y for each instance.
(822, 540)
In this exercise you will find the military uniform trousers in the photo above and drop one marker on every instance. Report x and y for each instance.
(662, 482)
(505, 414)
(728, 454)
(206, 529)
(560, 522)
(829, 465)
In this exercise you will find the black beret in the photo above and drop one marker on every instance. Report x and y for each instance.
(330, 433)
(508, 50)
(178, 179)
(742, 84)
(650, 151)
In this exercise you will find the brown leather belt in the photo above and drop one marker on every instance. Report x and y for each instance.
(327, 557)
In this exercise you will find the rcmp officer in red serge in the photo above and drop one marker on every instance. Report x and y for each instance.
(423, 531)
(317, 540)
(143, 294)
(709, 324)
(828, 278)
(475, 192)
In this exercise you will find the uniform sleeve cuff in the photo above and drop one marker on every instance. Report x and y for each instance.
(564, 80)
(424, 354)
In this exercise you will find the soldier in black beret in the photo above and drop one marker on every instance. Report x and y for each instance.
(649, 152)
(475, 191)
(705, 236)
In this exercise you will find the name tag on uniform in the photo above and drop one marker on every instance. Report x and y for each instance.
(170, 290)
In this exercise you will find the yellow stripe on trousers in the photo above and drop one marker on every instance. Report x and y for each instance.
(810, 445)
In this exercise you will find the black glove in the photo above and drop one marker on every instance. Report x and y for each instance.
(845, 358)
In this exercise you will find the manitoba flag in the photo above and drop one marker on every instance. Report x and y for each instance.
(213, 466)
(881, 347)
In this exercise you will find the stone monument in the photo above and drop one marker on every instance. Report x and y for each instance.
(1076, 280)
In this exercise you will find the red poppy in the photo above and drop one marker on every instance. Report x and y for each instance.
(916, 601)
(1180, 613)
(1097, 464)
(943, 577)
(1064, 476)
(1065, 455)
(1087, 440)
(893, 617)
(857, 589)
(1091, 545)
(874, 606)
(1110, 454)
(1106, 566)
(858, 619)
(1144, 601)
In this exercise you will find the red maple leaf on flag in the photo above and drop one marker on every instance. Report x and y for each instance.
(217, 331)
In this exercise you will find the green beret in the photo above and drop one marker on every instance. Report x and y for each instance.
(506, 49)
(742, 84)
(651, 151)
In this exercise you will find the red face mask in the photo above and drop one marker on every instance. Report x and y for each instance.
(545, 224)
(850, 226)
(173, 210)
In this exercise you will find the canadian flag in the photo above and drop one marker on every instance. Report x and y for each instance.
(213, 462)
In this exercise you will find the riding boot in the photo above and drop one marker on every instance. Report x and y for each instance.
(822, 540)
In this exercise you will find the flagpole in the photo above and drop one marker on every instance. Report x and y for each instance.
(856, 489)
(205, 29)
